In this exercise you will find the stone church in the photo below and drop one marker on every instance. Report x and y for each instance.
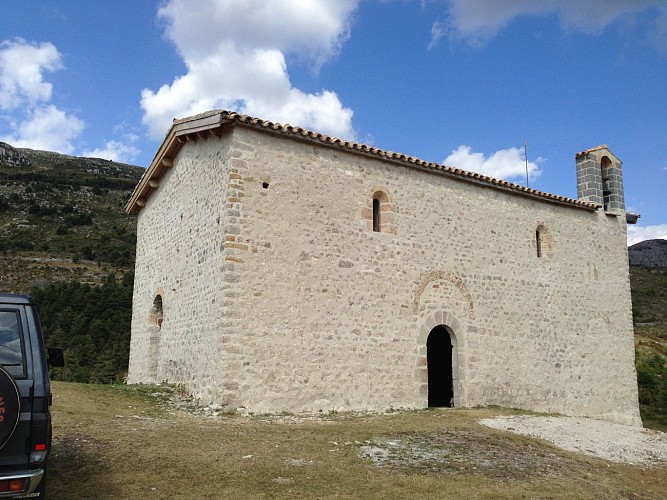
(279, 269)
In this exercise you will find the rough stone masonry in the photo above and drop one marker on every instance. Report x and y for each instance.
(279, 270)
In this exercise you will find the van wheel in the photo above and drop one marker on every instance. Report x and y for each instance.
(10, 408)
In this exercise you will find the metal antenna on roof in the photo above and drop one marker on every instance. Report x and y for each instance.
(525, 153)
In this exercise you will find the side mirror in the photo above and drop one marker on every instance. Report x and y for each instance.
(55, 357)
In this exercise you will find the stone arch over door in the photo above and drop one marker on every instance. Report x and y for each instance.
(441, 287)
(441, 323)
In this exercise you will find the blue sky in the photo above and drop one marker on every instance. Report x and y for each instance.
(461, 82)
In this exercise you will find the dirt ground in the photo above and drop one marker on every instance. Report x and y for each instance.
(119, 442)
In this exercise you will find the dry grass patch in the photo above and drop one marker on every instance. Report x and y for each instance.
(116, 442)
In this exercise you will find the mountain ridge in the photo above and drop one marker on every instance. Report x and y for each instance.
(62, 218)
(648, 253)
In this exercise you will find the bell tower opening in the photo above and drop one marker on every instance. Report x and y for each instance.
(605, 163)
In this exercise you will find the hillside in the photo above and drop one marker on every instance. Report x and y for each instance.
(62, 218)
(649, 253)
(649, 310)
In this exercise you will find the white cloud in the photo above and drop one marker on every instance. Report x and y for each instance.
(121, 151)
(476, 21)
(235, 53)
(46, 128)
(25, 96)
(22, 67)
(504, 164)
(639, 233)
(315, 29)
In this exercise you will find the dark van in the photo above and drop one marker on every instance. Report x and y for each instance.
(25, 398)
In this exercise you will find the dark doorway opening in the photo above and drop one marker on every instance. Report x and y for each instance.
(439, 363)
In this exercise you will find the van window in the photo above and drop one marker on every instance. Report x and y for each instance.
(11, 349)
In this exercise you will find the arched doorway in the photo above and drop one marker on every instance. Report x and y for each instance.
(439, 364)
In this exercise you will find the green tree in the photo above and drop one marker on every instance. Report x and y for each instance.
(91, 324)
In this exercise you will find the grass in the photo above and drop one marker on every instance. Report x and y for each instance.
(119, 442)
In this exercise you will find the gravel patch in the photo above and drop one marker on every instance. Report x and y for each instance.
(458, 451)
(599, 438)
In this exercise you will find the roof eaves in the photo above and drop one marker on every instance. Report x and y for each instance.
(180, 132)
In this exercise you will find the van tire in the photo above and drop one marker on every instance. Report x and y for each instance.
(10, 406)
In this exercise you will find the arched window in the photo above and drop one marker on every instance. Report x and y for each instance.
(543, 241)
(377, 223)
(380, 212)
(538, 241)
(156, 315)
(154, 337)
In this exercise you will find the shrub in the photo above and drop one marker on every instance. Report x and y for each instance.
(652, 381)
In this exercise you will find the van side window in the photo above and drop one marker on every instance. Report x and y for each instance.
(11, 349)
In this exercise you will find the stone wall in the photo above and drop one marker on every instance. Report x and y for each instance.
(178, 258)
(279, 296)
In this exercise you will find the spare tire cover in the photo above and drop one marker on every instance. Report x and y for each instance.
(9, 406)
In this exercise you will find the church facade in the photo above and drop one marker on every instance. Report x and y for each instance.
(279, 269)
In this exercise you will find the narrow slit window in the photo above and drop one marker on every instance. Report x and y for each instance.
(379, 212)
(156, 315)
(376, 215)
(538, 241)
(543, 242)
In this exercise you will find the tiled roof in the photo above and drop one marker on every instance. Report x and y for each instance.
(210, 122)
